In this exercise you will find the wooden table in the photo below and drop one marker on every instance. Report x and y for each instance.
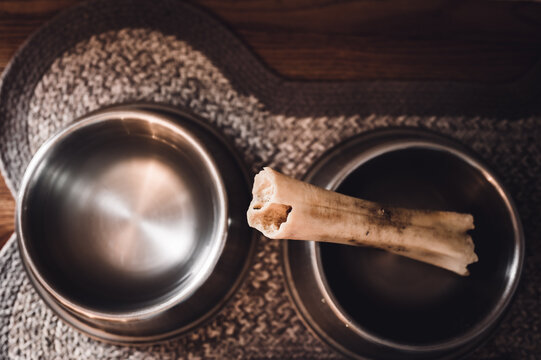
(490, 42)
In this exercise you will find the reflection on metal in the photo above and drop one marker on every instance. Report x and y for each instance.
(124, 223)
(368, 303)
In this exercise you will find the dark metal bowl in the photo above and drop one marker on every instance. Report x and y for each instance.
(368, 303)
(131, 223)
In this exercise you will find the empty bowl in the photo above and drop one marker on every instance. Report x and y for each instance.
(371, 304)
(130, 223)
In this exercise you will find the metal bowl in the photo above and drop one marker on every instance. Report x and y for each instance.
(130, 223)
(367, 303)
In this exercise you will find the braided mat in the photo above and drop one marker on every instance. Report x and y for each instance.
(107, 52)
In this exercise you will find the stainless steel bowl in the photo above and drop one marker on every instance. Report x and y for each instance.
(370, 304)
(131, 225)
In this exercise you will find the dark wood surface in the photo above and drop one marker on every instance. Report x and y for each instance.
(488, 42)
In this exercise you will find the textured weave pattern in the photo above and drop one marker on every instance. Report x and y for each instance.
(260, 322)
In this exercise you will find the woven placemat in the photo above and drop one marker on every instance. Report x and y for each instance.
(106, 52)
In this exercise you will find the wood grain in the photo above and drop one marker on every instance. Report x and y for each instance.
(18, 19)
(489, 42)
(7, 217)
(406, 39)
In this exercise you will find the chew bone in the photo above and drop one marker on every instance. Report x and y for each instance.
(285, 208)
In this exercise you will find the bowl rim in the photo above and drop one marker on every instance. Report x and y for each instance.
(207, 265)
(396, 139)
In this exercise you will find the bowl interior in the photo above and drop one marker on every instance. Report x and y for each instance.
(405, 301)
(124, 214)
